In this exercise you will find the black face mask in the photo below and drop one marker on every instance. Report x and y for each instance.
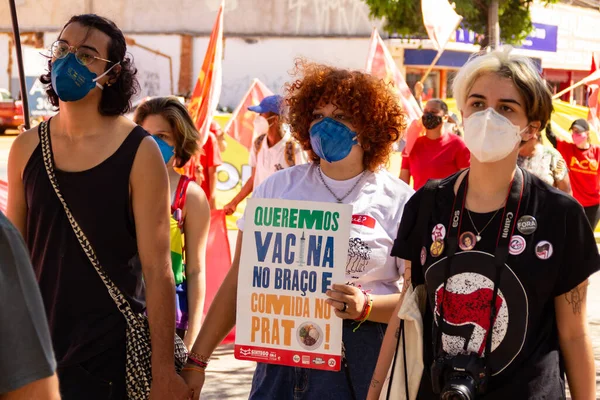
(431, 121)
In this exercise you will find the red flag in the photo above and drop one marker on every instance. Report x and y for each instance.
(440, 21)
(241, 125)
(207, 91)
(381, 64)
(218, 260)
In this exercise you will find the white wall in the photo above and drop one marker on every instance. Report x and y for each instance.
(253, 17)
(153, 70)
(271, 60)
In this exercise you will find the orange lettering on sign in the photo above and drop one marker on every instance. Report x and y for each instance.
(287, 325)
(255, 328)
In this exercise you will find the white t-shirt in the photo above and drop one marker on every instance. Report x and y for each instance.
(378, 202)
(273, 159)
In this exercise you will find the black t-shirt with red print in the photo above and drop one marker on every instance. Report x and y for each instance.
(552, 250)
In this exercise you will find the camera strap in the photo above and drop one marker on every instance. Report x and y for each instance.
(505, 232)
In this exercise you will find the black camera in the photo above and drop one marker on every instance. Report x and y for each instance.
(462, 377)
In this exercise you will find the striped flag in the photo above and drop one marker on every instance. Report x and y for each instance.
(207, 91)
(241, 125)
(381, 64)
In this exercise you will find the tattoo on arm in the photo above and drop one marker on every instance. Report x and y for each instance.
(375, 383)
(397, 332)
(576, 297)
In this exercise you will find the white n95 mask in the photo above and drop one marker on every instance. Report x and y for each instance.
(490, 136)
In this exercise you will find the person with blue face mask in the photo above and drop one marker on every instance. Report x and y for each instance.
(348, 122)
(167, 119)
(113, 180)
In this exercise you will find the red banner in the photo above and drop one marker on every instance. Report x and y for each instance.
(218, 260)
(241, 125)
(325, 362)
(207, 91)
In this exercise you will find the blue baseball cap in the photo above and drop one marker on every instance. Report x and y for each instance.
(268, 104)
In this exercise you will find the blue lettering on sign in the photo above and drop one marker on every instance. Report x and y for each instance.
(261, 277)
(297, 281)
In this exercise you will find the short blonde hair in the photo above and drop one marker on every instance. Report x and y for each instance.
(184, 130)
(520, 69)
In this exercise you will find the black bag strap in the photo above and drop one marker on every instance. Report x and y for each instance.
(427, 204)
(425, 210)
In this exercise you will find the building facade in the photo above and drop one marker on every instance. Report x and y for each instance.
(263, 39)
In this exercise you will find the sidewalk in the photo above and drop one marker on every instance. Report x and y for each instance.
(226, 377)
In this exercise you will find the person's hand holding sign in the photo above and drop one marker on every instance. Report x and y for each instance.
(348, 301)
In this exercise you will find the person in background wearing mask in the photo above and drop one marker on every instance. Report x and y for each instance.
(438, 154)
(271, 151)
(505, 312)
(169, 123)
(582, 158)
(545, 162)
(114, 181)
(349, 120)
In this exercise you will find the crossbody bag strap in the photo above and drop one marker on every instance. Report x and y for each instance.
(116, 294)
(423, 216)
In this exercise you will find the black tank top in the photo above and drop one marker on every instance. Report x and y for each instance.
(83, 318)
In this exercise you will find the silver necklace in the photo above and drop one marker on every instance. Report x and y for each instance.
(479, 232)
(340, 199)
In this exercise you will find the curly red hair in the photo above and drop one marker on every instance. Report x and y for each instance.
(371, 103)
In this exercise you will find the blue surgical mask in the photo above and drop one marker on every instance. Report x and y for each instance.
(72, 81)
(331, 140)
(166, 150)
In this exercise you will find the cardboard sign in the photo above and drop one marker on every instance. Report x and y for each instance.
(292, 252)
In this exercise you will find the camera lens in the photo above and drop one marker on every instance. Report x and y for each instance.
(459, 388)
(456, 394)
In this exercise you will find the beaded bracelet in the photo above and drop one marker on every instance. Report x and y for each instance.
(199, 357)
(198, 360)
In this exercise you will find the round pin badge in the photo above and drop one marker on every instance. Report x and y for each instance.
(517, 245)
(467, 241)
(437, 248)
(423, 255)
(544, 250)
(438, 232)
(527, 225)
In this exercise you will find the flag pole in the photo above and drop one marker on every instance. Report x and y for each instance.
(17, 39)
(435, 60)
(576, 85)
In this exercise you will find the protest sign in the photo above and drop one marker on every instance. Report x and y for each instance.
(292, 252)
